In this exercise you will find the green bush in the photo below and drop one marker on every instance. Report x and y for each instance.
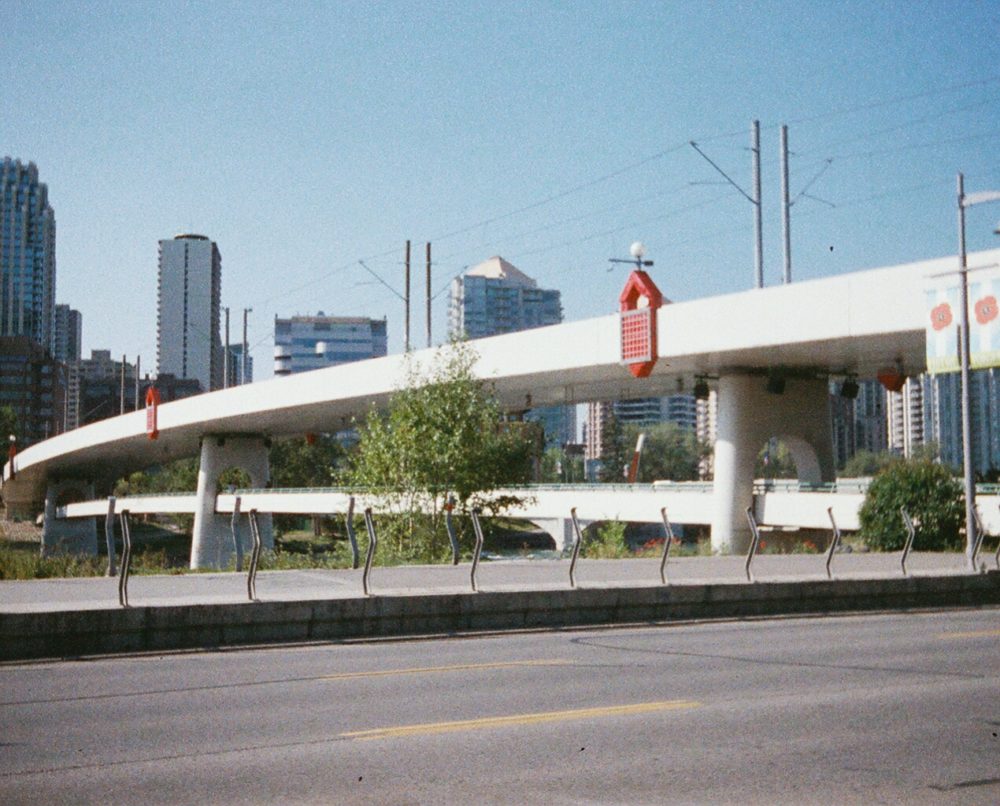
(607, 542)
(931, 496)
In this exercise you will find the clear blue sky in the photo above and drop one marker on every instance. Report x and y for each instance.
(304, 136)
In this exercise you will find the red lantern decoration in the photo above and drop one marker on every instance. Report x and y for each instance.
(891, 378)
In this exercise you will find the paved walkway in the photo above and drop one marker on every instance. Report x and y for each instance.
(94, 593)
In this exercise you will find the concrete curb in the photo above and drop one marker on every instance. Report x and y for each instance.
(63, 634)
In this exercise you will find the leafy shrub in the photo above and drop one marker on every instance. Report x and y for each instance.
(930, 495)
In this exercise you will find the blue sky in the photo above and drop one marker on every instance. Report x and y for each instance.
(303, 137)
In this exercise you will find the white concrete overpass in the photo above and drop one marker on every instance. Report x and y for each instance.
(854, 323)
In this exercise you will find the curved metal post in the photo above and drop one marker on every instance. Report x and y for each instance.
(754, 541)
(576, 548)
(254, 556)
(126, 565)
(996, 557)
(909, 539)
(669, 535)
(109, 536)
(477, 551)
(372, 544)
(353, 538)
(235, 526)
(834, 542)
(980, 534)
(451, 530)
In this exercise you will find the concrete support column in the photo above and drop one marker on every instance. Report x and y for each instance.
(62, 535)
(212, 537)
(561, 530)
(748, 416)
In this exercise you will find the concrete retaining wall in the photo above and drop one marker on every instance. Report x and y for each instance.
(146, 629)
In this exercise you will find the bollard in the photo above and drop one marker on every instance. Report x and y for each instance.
(126, 565)
(754, 542)
(669, 533)
(909, 540)
(477, 551)
(372, 544)
(254, 556)
(109, 536)
(576, 548)
(353, 538)
(234, 525)
(834, 542)
(448, 507)
(980, 535)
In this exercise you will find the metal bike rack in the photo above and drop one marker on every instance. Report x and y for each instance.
(754, 542)
(980, 534)
(126, 565)
(909, 539)
(448, 507)
(669, 532)
(234, 525)
(109, 536)
(477, 551)
(372, 545)
(353, 538)
(834, 542)
(576, 548)
(254, 556)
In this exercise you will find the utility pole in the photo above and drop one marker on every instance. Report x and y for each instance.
(121, 391)
(786, 206)
(138, 364)
(225, 355)
(428, 293)
(757, 215)
(406, 303)
(244, 359)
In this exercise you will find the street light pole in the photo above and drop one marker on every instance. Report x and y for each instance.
(965, 362)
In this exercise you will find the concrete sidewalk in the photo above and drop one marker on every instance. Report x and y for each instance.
(78, 617)
(94, 593)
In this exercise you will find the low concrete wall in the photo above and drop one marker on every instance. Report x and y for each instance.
(146, 629)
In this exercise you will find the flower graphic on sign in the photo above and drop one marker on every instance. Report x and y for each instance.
(986, 310)
(941, 316)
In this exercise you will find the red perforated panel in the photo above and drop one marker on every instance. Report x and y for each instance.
(637, 338)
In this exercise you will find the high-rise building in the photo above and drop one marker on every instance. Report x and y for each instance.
(33, 384)
(189, 291)
(27, 255)
(237, 375)
(494, 298)
(68, 340)
(303, 343)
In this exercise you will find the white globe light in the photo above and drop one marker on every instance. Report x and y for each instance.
(637, 250)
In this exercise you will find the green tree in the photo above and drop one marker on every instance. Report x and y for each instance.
(614, 456)
(297, 463)
(775, 462)
(931, 496)
(443, 435)
(8, 426)
(868, 463)
(669, 452)
(558, 467)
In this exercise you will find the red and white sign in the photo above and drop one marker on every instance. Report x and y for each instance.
(638, 303)
(152, 402)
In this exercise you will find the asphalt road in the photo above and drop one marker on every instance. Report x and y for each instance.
(863, 709)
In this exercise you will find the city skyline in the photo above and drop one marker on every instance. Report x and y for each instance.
(334, 135)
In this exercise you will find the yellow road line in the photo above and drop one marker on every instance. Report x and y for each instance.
(460, 667)
(971, 634)
(519, 719)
